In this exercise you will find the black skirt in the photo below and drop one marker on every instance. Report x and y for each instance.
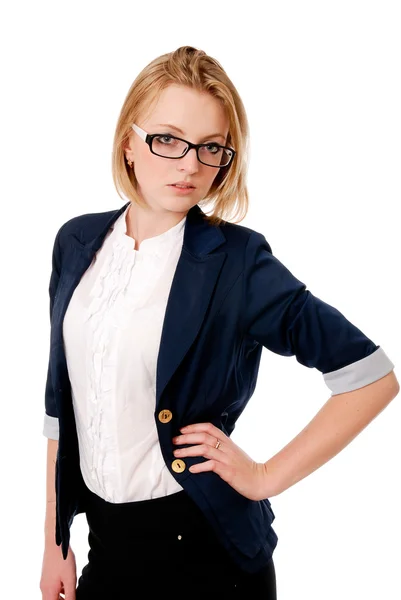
(161, 546)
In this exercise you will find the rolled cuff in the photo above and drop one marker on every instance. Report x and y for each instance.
(359, 373)
(51, 427)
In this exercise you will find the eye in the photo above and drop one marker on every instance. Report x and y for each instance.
(162, 138)
(213, 148)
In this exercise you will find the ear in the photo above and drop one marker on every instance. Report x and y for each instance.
(127, 143)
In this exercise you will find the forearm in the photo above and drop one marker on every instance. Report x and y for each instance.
(338, 422)
(50, 519)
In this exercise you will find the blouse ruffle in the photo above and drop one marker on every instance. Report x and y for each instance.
(107, 314)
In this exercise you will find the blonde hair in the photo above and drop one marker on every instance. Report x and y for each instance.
(191, 67)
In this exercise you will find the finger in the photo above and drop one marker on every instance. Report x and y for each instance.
(203, 450)
(70, 591)
(199, 438)
(211, 465)
(209, 428)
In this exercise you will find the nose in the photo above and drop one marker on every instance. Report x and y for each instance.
(189, 162)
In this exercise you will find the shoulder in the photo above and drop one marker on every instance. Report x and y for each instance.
(251, 240)
(86, 226)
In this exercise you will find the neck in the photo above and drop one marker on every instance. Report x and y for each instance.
(147, 223)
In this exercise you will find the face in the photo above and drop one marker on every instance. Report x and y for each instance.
(198, 115)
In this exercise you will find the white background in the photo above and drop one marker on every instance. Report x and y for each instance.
(321, 85)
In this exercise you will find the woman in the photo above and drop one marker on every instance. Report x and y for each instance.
(159, 314)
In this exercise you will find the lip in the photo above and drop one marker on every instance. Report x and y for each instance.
(183, 183)
(182, 191)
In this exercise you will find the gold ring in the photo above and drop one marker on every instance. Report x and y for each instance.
(218, 444)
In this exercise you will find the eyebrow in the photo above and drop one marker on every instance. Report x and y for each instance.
(212, 135)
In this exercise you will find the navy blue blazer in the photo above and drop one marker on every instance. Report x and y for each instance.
(229, 298)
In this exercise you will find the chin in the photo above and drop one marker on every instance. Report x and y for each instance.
(178, 204)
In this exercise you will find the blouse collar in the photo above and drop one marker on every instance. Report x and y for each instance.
(154, 245)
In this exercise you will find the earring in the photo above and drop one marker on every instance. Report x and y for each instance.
(129, 162)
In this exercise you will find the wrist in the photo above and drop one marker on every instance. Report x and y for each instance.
(272, 483)
(50, 528)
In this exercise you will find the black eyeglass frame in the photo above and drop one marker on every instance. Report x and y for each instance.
(149, 137)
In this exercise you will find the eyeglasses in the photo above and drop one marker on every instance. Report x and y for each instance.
(170, 146)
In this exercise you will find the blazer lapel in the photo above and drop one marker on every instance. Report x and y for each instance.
(191, 290)
(190, 295)
(79, 255)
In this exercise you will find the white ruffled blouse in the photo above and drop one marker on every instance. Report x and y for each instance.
(111, 331)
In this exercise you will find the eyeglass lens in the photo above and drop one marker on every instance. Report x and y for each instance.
(170, 147)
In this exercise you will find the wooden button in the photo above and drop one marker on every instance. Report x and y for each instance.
(178, 465)
(165, 415)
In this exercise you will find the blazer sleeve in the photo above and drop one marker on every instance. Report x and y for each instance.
(51, 423)
(286, 318)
